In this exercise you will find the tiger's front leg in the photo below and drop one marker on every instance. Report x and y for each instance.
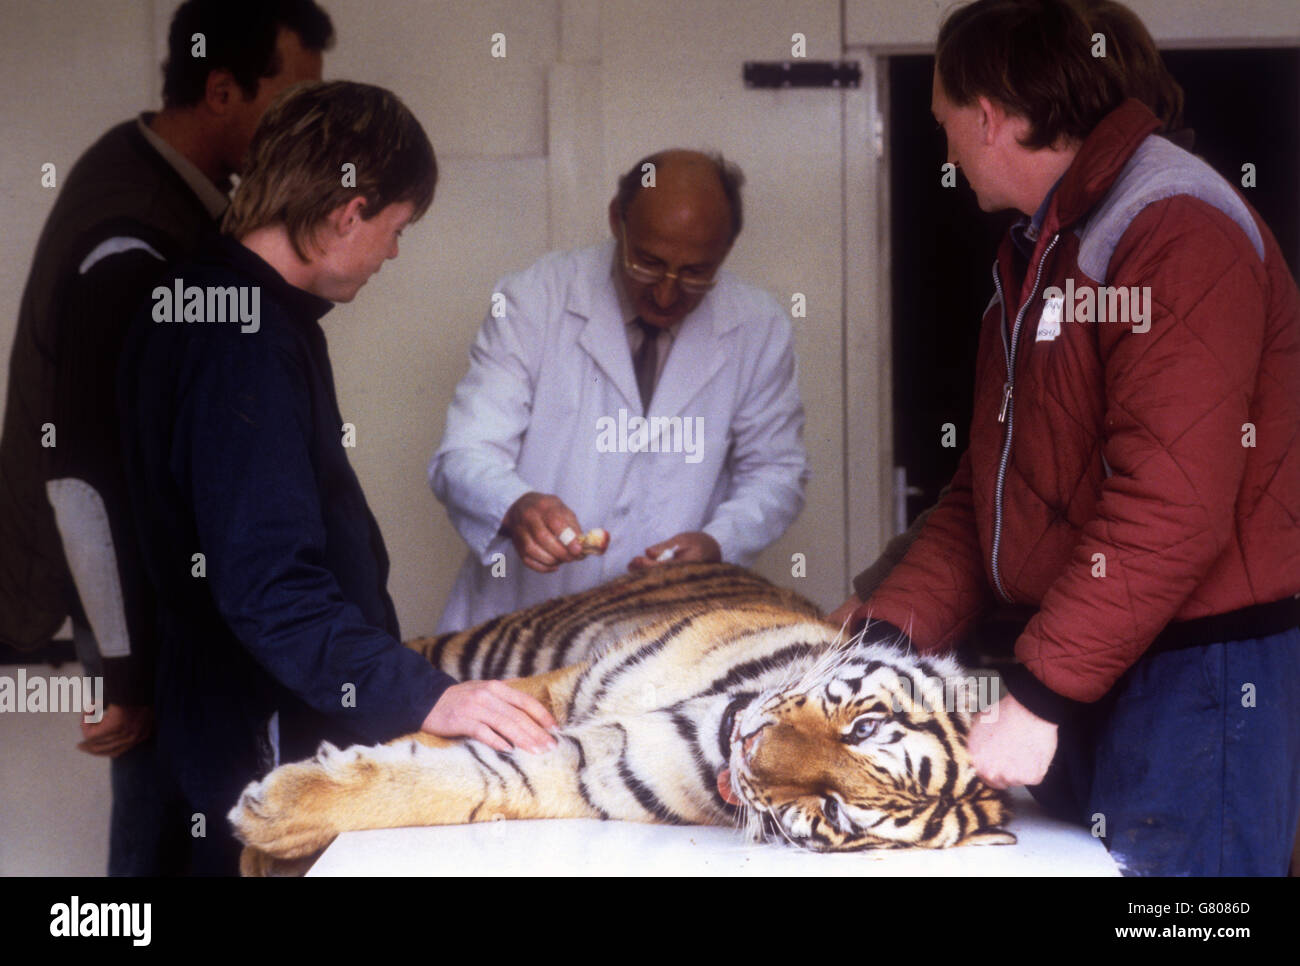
(550, 688)
(298, 809)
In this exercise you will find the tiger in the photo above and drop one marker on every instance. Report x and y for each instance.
(684, 694)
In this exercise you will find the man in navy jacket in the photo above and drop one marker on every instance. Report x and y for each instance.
(276, 629)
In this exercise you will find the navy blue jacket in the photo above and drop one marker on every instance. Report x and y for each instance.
(233, 447)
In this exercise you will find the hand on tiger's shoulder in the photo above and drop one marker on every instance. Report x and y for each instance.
(1010, 745)
(695, 546)
(494, 713)
(535, 523)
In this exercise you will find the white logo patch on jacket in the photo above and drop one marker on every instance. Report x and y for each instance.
(1049, 322)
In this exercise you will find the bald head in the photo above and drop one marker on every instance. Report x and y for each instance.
(678, 224)
(697, 185)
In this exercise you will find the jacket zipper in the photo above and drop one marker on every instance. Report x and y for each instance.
(1007, 412)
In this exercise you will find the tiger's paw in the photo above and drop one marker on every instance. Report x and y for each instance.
(298, 809)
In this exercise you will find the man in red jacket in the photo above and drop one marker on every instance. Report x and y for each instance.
(1134, 467)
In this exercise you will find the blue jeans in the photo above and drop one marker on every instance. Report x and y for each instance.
(1191, 763)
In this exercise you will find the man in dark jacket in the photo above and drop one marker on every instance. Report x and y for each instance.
(1132, 473)
(143, 193)
(277, 628)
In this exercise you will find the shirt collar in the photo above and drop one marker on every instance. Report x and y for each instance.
(208, 193)
(1036, 225)
(1025, 232)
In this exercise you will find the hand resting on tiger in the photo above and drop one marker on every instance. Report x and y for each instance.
(685, 694)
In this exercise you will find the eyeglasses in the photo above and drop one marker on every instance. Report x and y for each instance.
(692, 284)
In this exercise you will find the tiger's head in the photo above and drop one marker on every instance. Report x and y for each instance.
(866, 750)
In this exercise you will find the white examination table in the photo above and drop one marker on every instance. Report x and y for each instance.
(579, 847)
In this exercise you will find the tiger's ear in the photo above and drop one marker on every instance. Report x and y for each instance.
(993, 836)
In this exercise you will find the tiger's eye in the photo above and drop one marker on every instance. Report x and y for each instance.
(831, 809)
(864, 728)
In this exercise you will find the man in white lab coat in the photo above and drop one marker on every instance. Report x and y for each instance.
(633, 387)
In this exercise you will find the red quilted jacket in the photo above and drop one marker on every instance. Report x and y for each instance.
(1139, 477)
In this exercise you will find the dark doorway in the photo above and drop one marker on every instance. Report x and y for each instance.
(1243, 106)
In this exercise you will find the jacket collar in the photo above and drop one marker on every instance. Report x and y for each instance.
(298, 303)
(697, 354)
(1099, 162)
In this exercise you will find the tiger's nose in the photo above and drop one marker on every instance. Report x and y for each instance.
(748, 745)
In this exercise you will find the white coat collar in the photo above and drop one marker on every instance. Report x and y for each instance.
(701, 348)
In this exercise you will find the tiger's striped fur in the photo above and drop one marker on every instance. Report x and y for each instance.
(689, 694)
(563, 631)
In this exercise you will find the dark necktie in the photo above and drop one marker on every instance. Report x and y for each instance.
(645, 361)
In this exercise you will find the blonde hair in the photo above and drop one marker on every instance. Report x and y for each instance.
(295, 172)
